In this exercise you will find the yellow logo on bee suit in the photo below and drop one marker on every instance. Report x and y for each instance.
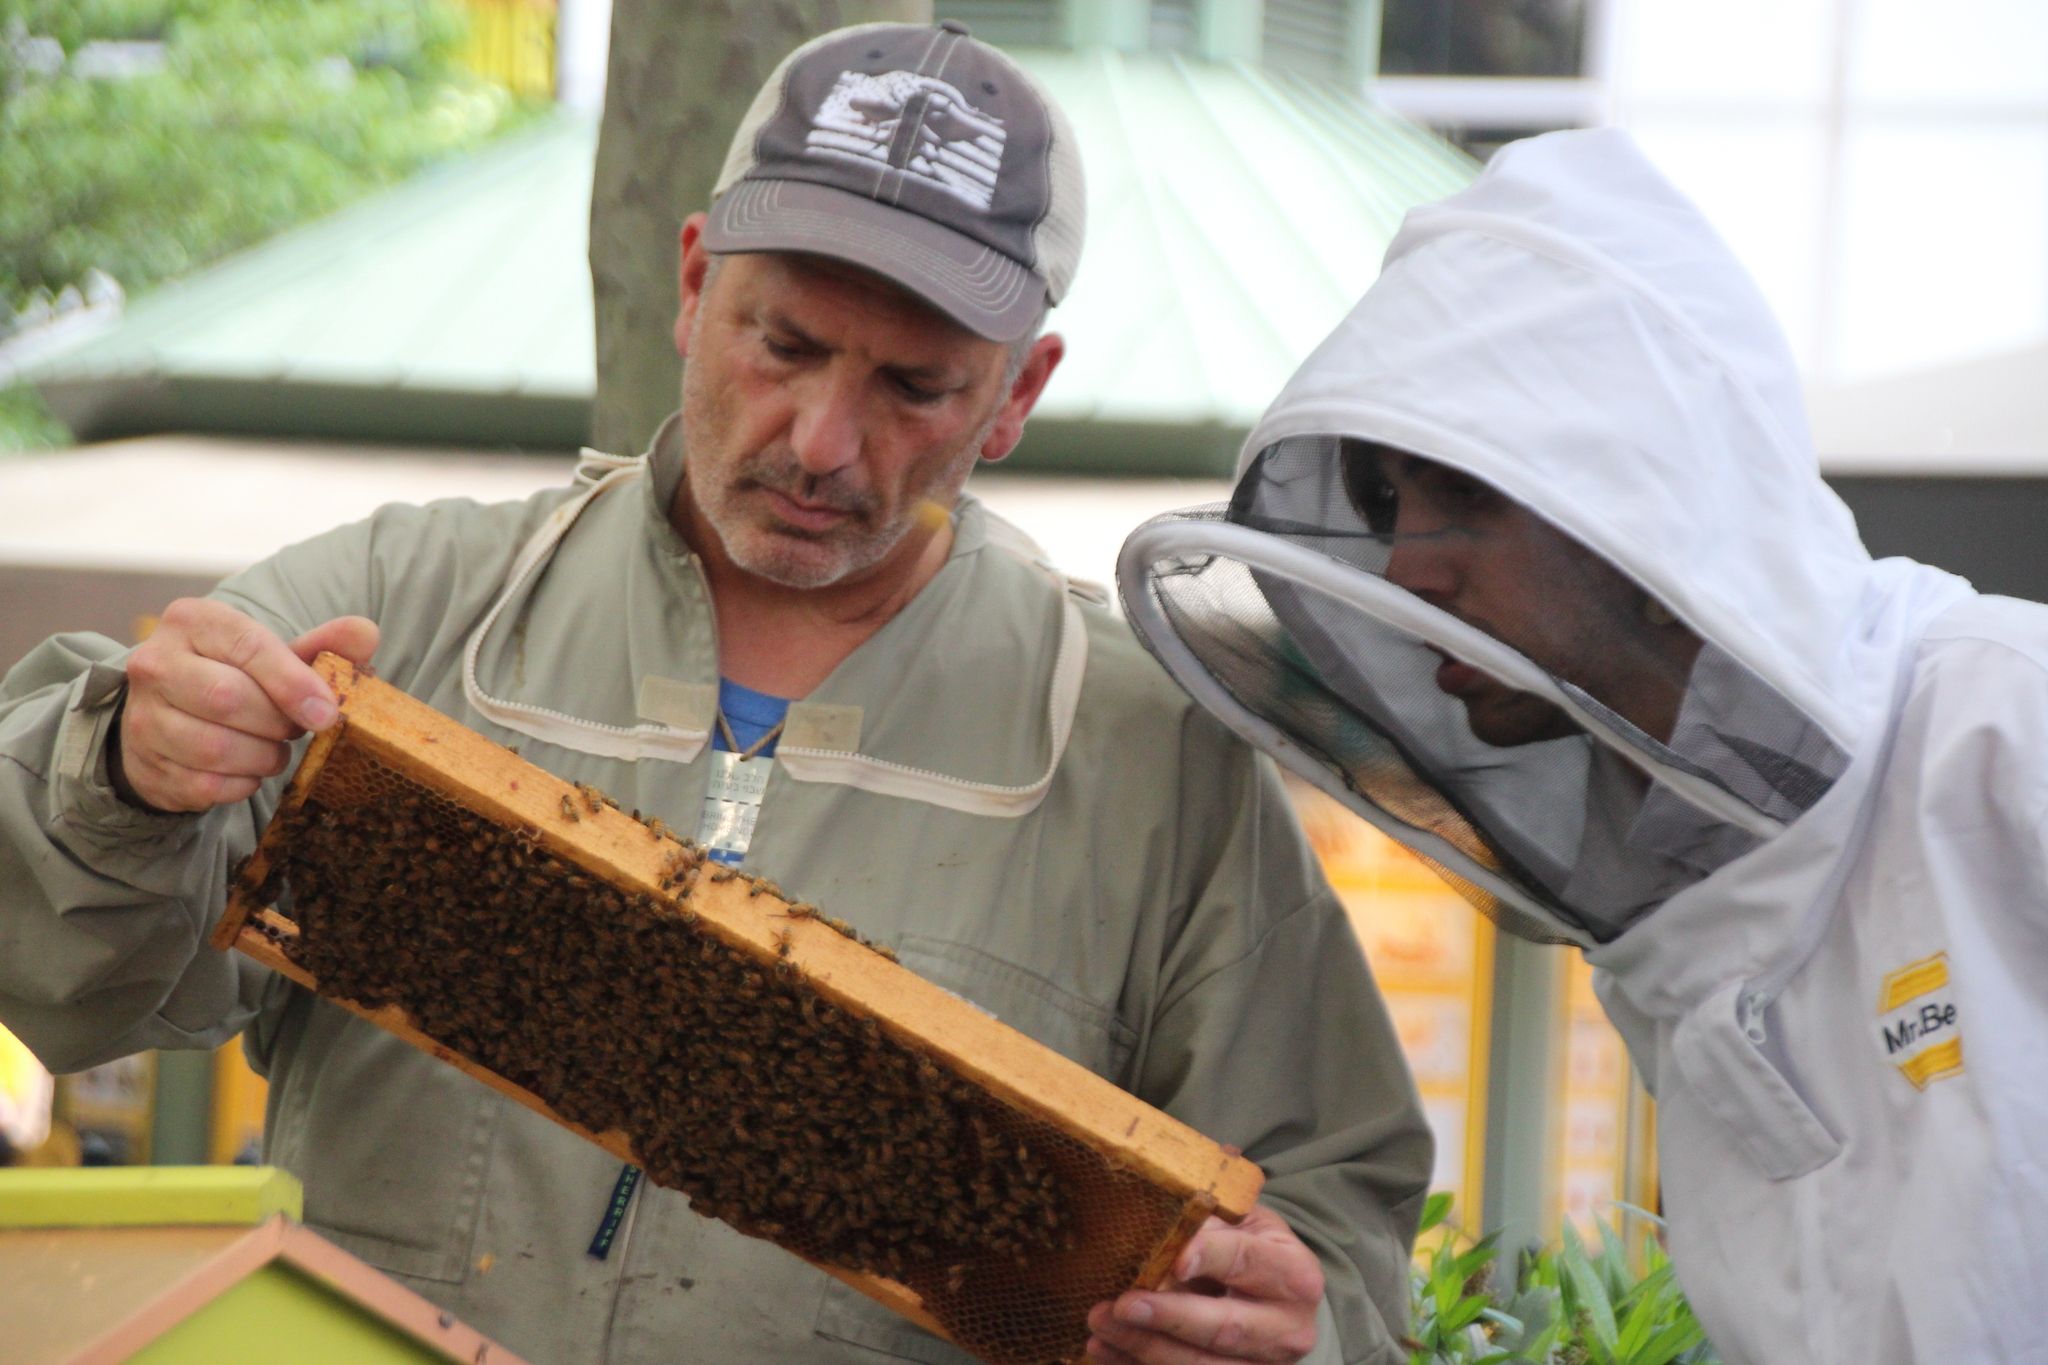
(1916, 1020)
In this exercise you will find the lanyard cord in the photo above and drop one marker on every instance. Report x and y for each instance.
(732, 741)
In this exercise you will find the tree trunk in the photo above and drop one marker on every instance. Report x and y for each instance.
(680, 75)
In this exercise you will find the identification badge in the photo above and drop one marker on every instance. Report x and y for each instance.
(732, 805)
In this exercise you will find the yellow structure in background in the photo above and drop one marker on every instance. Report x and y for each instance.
(512, 43)
(235, 1128)
(25, 1092)
(115, 1101)
(1596, 1101)
(1433, 956)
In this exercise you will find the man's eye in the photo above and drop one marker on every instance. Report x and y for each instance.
(1380, 505)
(1467, 492)
(921, 395)
(1372, 496)
(780, 349)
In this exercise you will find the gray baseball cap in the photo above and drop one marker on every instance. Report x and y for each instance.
(918, 153)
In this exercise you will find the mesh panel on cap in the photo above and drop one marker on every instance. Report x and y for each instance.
(1057, 242)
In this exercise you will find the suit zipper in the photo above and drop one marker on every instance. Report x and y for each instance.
(1749, 1013)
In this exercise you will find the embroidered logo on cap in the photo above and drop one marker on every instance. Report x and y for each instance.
(1916, 1019)
(915, 124)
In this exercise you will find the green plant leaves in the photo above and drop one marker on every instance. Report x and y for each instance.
(260, 114)
(1568, 1305)
(235, 120)
(1586, 1295)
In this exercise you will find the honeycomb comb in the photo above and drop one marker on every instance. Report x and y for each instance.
(749, 1051)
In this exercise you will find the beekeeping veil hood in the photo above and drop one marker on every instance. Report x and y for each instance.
(1531, 563)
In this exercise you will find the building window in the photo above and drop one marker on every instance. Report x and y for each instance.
(1517, 38)
(1485, 72)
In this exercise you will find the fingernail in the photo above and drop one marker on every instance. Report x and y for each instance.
(1137, 1312)
(316, 713)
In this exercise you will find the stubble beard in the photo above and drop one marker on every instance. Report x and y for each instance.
(1508, 719)
(788, 556)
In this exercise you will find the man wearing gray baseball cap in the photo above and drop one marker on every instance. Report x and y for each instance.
(921, 155)
(786, 630)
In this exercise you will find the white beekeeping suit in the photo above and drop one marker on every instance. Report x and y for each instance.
(1531, 564)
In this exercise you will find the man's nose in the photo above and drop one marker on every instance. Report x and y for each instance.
(1423, 561)
(827, 433)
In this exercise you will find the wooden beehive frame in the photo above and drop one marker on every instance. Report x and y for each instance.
(428, 748)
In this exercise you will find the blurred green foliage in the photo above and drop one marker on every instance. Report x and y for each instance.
(26, 424)
(264, 113)
(1566, 1305)
(238, 119)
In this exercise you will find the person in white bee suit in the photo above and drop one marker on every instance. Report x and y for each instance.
(1531, 565)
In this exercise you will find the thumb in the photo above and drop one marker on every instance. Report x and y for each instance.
(352, 637)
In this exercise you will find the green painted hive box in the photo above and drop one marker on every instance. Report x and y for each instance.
(199, 1264)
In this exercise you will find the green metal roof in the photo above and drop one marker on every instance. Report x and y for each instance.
(1234, 215)
(453, 307)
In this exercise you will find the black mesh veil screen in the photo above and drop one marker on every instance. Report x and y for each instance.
(1220, 608)
(1560, 816)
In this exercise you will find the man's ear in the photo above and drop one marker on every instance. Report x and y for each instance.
(1044, 358)
(692, 264)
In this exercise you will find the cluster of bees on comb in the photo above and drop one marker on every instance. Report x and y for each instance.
(770, 1106)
